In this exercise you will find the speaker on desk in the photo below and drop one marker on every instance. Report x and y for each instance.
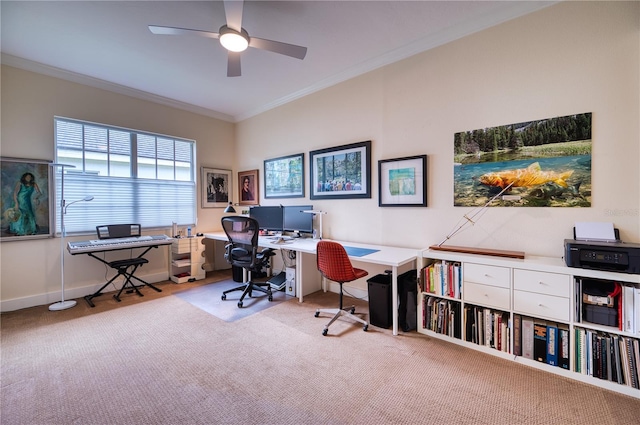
(380, 301)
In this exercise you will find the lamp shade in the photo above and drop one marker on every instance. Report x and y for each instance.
(230, 208)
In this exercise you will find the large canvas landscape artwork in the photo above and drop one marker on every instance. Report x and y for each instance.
(543, 163)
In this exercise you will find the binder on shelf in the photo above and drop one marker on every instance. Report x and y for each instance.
(552, 345)
(540, 342)
(563, 348)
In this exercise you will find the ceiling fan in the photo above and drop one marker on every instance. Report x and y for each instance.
(234, 38)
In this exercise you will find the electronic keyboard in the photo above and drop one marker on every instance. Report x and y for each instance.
(97, 245)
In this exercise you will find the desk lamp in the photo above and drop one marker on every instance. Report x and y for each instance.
(319, 213)
(230, 208)
(62, 304)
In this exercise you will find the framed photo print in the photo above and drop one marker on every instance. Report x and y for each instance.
(248, 188)
(284, 177)
(26, 205)
(216, 188)
(341, 172)
(402, 182)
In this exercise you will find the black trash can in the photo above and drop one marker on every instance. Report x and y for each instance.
(237, 273)
(408, 307)
(380, 300)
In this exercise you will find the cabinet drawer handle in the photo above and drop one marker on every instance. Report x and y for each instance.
(542, 283)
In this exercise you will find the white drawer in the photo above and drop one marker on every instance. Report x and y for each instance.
(555, 284)
(486, 295)
(487, 275)
(543, 306)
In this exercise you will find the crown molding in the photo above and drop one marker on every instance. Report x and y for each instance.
(39, 68)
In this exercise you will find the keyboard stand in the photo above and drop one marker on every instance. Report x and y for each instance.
(125, 268)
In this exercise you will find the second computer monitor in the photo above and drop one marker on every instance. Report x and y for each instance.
(295, 220)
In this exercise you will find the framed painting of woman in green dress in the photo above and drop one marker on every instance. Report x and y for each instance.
(25, 202)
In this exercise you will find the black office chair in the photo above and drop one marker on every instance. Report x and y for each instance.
(242, 251)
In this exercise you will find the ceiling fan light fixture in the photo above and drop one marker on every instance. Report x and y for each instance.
(233, 40)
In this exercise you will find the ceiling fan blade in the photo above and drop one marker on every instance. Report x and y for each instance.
(156, 29)
(233, 11)
(233, 64)
(292, 50)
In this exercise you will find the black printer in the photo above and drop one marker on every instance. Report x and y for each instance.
(610, 256)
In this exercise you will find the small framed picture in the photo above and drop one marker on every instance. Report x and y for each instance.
(248, 188)
(216, 188)
(341, 172)
(402, 182)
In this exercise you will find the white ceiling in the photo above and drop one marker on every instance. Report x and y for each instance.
(107, 44)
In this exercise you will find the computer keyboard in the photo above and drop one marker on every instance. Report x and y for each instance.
(284, 238)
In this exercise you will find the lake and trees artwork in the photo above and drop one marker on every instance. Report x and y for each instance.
(543, 163)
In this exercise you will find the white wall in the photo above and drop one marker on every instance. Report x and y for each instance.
(30, 269)
(570, 58)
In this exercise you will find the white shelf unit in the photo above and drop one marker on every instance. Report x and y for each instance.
(539, 288)
(187, 259)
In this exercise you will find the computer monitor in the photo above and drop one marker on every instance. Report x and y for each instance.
(269, 218)
(295, 220)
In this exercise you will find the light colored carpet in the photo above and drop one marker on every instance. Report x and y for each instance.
(161, 360)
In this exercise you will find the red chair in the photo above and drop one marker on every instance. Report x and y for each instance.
(334, 264)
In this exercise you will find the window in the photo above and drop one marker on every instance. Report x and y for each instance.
(133, 176)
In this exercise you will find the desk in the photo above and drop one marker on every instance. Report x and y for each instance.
(307, 273)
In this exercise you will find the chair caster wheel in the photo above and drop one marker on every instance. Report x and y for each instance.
(353, 310)
(270, 298)
(325, 331)
(317, 314)
(365, 327)
(224, 297)
(239, 304)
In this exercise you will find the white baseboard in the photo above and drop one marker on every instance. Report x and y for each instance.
(72, 293)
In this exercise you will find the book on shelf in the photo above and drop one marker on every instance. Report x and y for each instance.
(633, 365)
(636, 348)
(609, 358)
(615, 368)
(636, 309)
(488, 328)
(628, 314)
(527, 338)
(517, 335)
(552, 345)
(540, 342)
(470, 324)
(563, 348)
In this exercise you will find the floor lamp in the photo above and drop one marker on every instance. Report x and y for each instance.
(62, 304)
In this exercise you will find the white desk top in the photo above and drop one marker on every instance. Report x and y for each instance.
(384, 255)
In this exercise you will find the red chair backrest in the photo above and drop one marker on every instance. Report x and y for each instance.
(333, 262)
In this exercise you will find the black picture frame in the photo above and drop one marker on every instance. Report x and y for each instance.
(284, 177)
(402, 182)
(341, 172)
